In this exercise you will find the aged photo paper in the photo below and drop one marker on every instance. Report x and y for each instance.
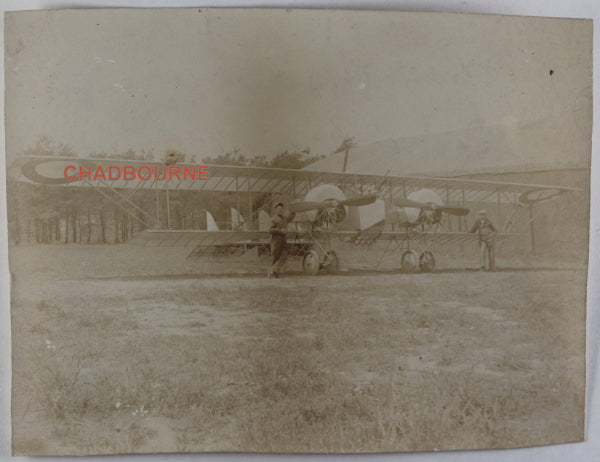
(296, 231)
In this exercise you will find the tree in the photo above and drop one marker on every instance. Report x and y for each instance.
(229, 158)
(293, 160)
(46, 146)
(285, 159)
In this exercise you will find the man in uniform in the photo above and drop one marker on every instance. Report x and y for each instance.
(487, 235)
(279, 223)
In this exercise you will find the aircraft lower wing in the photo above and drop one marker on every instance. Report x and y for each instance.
(439, 237)
(368, 236)
(252, 238)
(224, 238)
(198, 237)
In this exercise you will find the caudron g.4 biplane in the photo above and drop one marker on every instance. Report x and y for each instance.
(407, 214)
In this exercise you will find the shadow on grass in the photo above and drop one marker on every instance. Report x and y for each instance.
(348, 272)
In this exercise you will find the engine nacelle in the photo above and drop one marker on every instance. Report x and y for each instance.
(415, 215)
(330, 214)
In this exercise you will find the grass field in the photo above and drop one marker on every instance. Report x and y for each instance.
(116, 352)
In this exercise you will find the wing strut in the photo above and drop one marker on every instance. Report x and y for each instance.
(124, 198)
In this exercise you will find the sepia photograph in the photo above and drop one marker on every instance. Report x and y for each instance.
(296, 231)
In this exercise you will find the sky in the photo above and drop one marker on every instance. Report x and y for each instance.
(205, 82)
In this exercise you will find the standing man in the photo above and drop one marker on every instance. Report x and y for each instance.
(487, 236)
(279, 223)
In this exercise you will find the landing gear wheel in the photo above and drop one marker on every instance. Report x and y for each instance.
(427, 262)
(410, 261)
(331, 264)
(310, 263)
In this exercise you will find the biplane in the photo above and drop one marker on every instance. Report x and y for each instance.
(409, 214)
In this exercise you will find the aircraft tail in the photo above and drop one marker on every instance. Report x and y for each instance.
(211, 225)
(237, 220)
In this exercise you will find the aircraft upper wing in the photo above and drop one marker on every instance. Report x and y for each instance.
(51, 170)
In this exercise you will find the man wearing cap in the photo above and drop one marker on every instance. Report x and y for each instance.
(279, 223)
(487, 235)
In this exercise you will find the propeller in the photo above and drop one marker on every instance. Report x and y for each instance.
(402, 202)
(459, 211)
(305, 206)
(360, 200)
(354, 201)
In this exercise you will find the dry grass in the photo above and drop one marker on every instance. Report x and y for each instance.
(350, 363)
